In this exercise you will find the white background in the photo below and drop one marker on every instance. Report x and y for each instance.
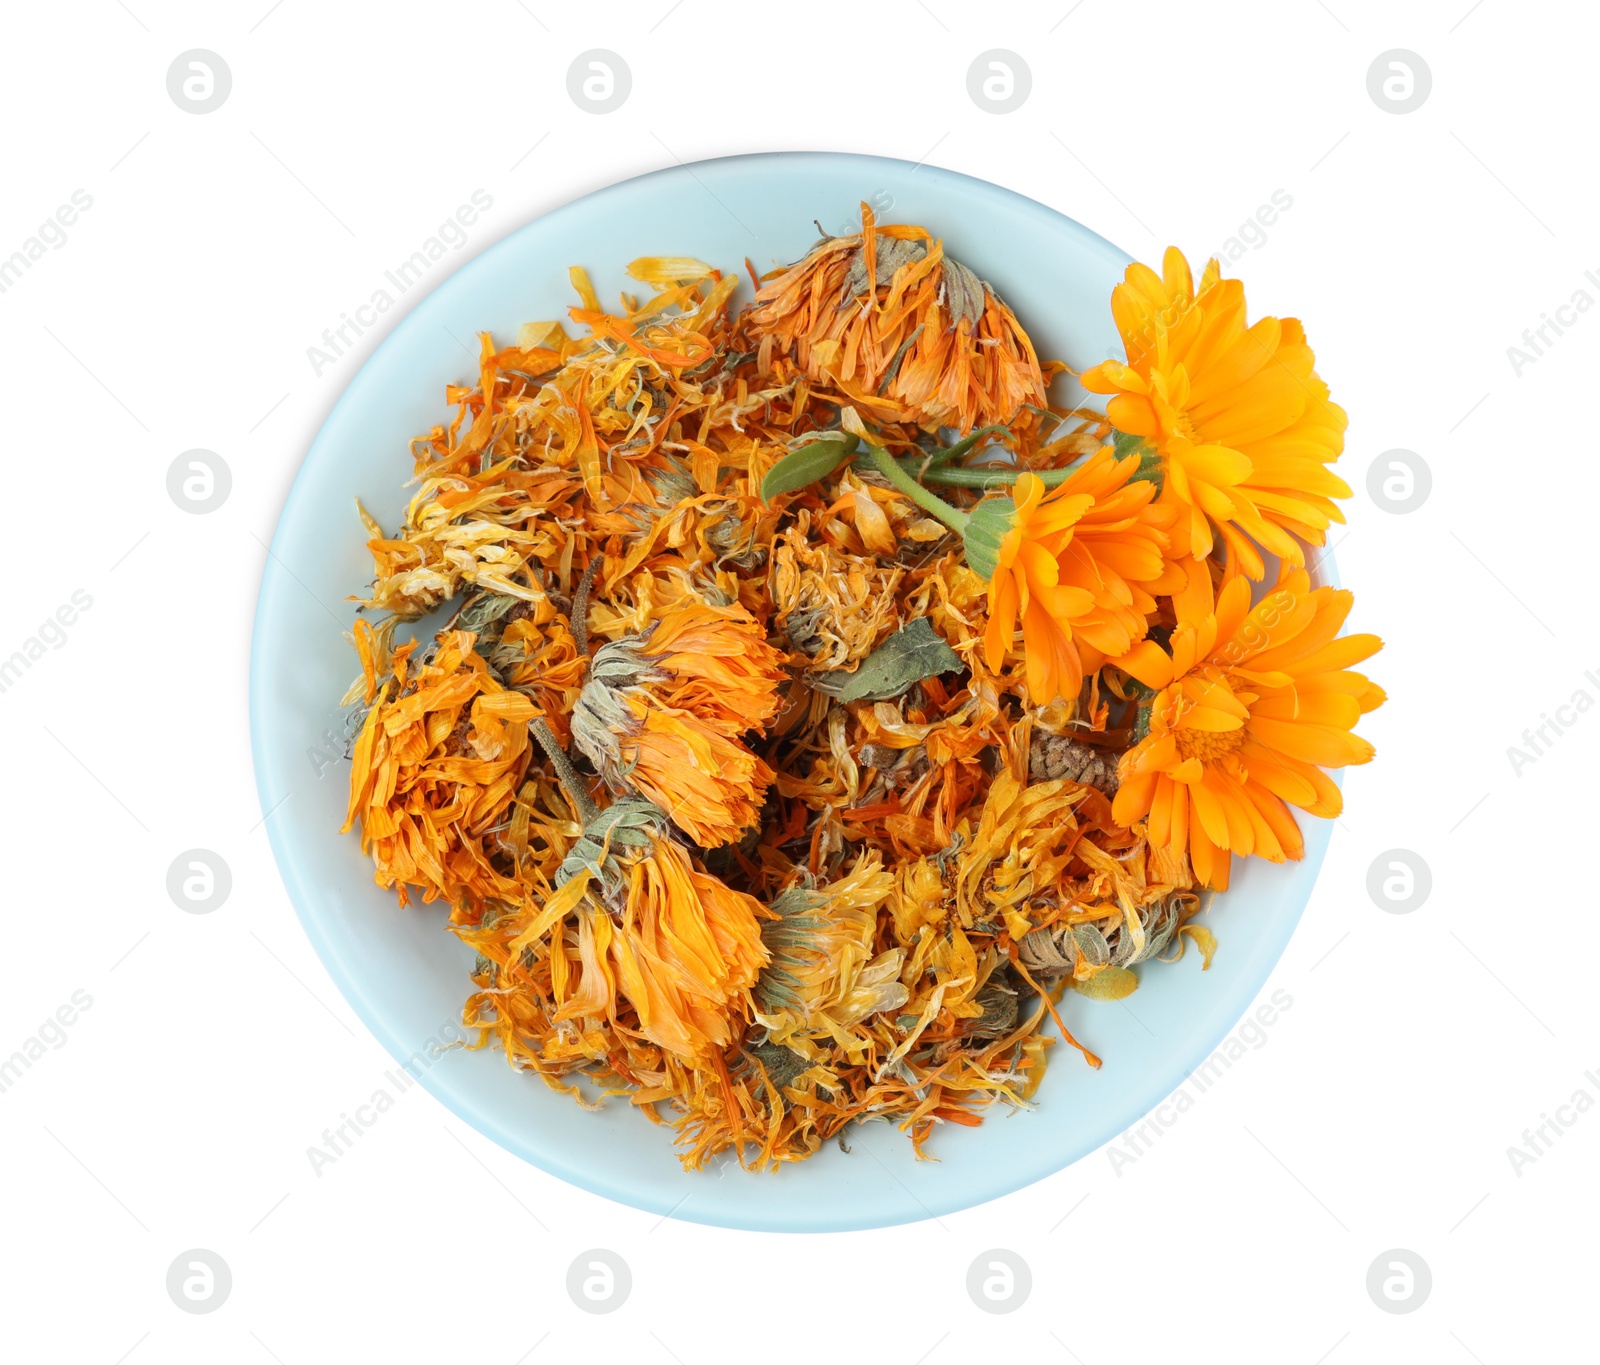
(1378, 1112)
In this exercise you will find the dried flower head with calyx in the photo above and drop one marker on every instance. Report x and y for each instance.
(662, 712)
(440, 756)
(899, 329)
(833, 606)
(636, 925)
(824, 977)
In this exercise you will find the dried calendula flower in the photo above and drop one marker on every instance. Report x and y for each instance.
(442, 752)
(833, 606)
(1083, 947)
(662, 710)
(825, 976)
(901, 330)
(638, 926)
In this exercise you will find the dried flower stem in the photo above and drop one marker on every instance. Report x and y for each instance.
(571, 782)
(580, 606)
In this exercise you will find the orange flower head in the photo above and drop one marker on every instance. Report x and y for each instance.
(639, 926)
(899, 329)
(1080, 565)
(833, 606)
(440, 756)
(718, 665)
(662, 712)
(1241, 420)
(1251, 705)
(711, 786)
(825, 975)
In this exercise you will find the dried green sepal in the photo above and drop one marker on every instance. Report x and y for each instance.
(964, 294)
(891, 254)
(998, 1000)
(782, 1066)
(791, 939)
(630, 822)
(601, 717)
(1056, 951)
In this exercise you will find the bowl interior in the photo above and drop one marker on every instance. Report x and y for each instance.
(406, 975)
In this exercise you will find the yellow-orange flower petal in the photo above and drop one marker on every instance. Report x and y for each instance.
(1237, 411)
(711, 786)
(1251, 705)
(1080, 567)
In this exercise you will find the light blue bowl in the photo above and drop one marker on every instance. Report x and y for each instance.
(407, 976)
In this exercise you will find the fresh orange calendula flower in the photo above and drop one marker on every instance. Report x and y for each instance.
(1237, 411)
(1080, 565)
(1251, 705)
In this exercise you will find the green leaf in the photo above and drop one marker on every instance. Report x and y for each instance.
(912, 653)
(806, 464)
(1109, 983)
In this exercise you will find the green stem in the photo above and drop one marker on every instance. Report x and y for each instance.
(961, 447)
(898, 475)
(573, 784)
(990, 476)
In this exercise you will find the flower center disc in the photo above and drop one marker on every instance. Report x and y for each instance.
(1208, 745)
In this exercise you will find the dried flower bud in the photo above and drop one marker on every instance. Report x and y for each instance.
(1052, 757)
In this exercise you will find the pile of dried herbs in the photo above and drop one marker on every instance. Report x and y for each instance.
(818, 702)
